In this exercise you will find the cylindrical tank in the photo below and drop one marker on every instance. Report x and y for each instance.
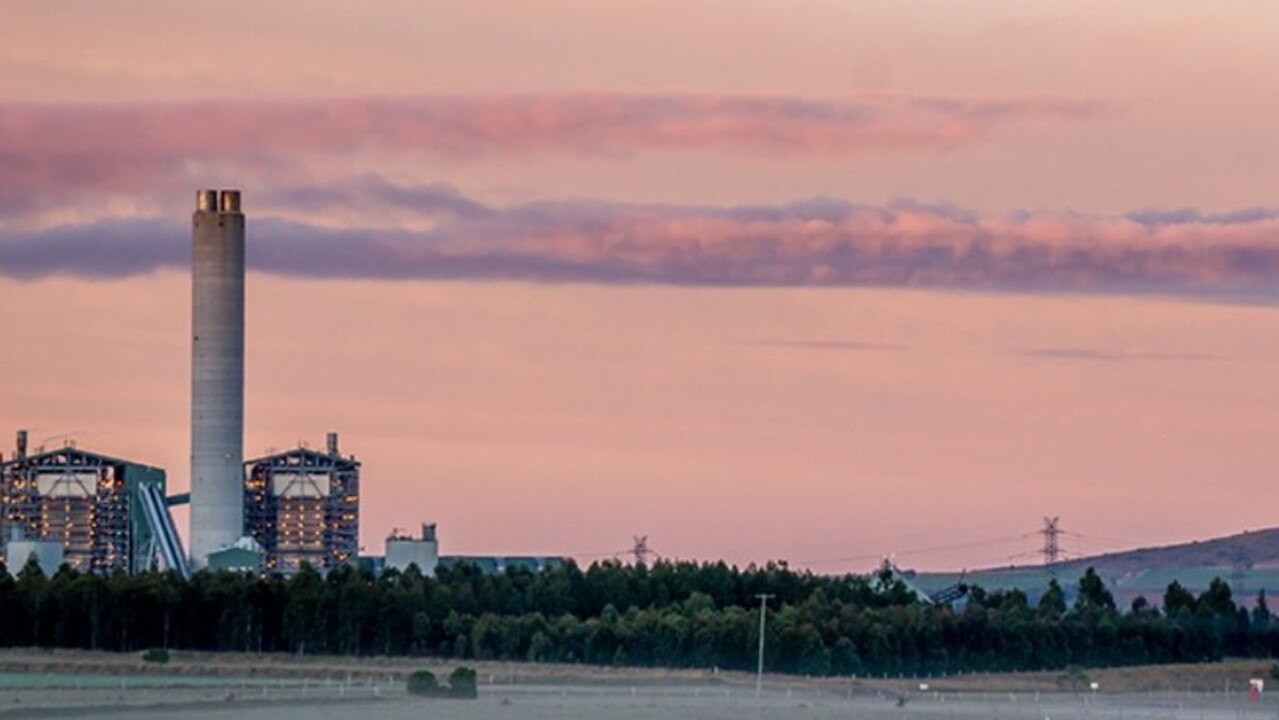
(217, 374)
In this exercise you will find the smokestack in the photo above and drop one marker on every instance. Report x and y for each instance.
(333, 443)
(217, 373)
(21, 445)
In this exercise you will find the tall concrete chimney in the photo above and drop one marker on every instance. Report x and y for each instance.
(217, 373)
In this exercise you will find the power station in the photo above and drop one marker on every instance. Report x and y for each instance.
(97, 513)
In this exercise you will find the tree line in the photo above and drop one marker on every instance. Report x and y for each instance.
(672, 614)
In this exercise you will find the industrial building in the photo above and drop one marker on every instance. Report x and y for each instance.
(102, 514)
(303, 505)
(217, 373)
(403, 550)
(106, 514)
(499, 564)
(245, 556)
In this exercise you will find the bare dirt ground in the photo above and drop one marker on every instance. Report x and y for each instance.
(657, 703)
(60, 684)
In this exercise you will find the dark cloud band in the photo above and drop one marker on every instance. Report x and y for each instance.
(820, 242)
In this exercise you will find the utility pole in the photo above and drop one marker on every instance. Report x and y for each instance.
(759, 671)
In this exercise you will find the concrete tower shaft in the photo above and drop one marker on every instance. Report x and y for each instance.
(217, 373)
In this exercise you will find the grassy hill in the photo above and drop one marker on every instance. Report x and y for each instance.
(1248, 561)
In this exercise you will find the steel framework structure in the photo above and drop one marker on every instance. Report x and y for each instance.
(1052, 543)
(303, 506)
(89, 503)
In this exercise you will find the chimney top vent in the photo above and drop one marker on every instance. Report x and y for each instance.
(230, 201)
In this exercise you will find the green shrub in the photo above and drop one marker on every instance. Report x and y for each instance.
(156, 655)
(462, 684)
(422, 682)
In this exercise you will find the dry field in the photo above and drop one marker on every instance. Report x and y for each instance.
(648, 702)
(54, 684)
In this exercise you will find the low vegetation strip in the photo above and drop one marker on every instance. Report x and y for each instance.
(673, 614)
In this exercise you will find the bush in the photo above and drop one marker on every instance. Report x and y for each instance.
(156, 655)
(462, 684)
(422, 682)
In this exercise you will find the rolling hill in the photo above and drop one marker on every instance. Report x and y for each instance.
(1249, 561)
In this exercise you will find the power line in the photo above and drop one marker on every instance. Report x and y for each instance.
(639, 550)
(1099, 538)
(1052, 550)
(917, 551)
(605, 553)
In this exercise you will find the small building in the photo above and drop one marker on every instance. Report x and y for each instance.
(403, 550)
(303, 506)
(243, 556)
(88, 503)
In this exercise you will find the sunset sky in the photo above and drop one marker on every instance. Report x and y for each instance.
(766, 279)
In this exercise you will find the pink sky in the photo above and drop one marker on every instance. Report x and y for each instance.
(803, 280)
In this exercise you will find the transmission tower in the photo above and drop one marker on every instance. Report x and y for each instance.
(640, 550)
(1240, 564)
(1051, 533)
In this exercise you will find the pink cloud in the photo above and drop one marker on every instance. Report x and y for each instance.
(59, 150)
